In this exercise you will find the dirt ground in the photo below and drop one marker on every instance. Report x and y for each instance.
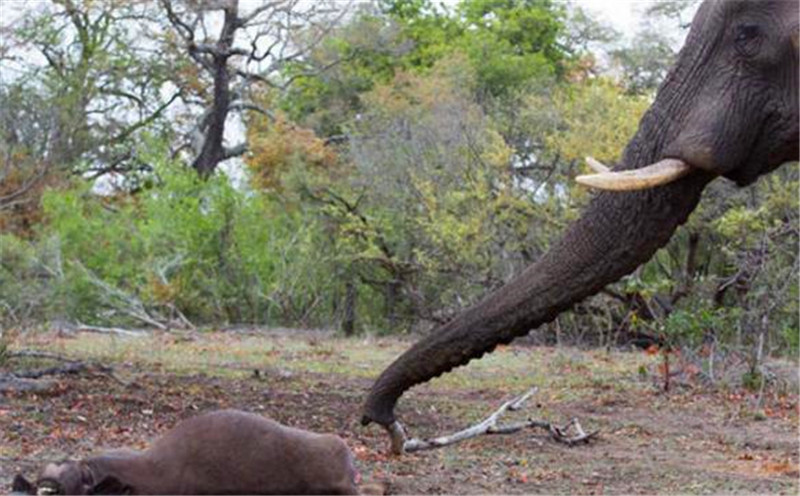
(689, 440)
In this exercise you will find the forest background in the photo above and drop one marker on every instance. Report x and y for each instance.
(372, 168)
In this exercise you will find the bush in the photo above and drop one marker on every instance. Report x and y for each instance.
(25, 288)
(203, 249)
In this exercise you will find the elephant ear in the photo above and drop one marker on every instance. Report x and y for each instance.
(20, 485)
(111, 485)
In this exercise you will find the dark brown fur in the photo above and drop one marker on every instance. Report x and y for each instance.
(223, 452)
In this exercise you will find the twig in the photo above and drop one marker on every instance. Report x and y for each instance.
(400, 443)
(9, 200)
(110, 330)
(181, 318)
(71, 368)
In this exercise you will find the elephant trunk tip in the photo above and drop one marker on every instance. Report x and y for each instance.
(396, 379)
(382, 415)
(379, 408)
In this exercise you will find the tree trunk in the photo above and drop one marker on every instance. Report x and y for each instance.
(350, 300)
(213, 126)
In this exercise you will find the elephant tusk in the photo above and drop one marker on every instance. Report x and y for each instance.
(597, 166)
(657, 174)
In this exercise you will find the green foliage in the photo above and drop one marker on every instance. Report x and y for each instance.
(421, 156)
(690, 326)
(645, 63)
(199, 247)
(22, 296)
(736, 283)
(511, 42)
(753, 380)
(420, 217)
(508, 45)
(597, 118)
(361, 54)
(791, 337)
(100, 82)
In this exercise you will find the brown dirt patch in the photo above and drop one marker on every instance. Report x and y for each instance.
(688, 441)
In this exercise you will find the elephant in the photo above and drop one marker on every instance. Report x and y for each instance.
(728, 107)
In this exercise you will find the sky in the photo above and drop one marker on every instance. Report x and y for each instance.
(622, 14)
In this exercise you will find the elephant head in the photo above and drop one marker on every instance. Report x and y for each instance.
(728, 107)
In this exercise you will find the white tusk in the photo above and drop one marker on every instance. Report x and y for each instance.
(662, 172)
(597, 166)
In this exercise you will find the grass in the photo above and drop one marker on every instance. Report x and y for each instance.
(509, 369)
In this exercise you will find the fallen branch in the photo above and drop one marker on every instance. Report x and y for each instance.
(181, 321)
(11, 384)
(66, 369)
(121, 301)
(37, 354)
(400, 443)
(71, 367)
(110, 330)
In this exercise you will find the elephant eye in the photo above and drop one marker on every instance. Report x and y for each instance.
(746, 32)
(747, 40)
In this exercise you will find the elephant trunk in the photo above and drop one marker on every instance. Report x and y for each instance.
(724, 109)
(617, 233)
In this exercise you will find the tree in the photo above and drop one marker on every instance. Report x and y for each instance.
(596, 119)
(510, 45)
(424, 215)
(77, 95)
(26, 124)
(222, 70)
(370, 47)
(101, 85)
(645, 62)
(414, 74)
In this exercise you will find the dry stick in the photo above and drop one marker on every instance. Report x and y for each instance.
(182, 318)
(110, 330)
(72, 366)
(401, 444)
(479, 429)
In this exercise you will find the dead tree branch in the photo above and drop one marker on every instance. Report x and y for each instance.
(400, 443)
(17, 197)
(69, 367)
(122, 301)
(254, 46)
(37, 354)
(110, 330)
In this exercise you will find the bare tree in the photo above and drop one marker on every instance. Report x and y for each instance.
(274, 35)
